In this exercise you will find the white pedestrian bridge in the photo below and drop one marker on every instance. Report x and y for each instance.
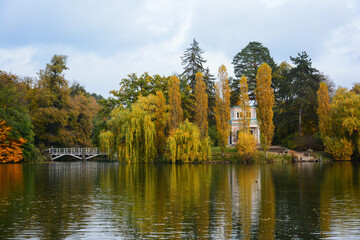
(79, 153)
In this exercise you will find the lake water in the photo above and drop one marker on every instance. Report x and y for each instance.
(104, 200)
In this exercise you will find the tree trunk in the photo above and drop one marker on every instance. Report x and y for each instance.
(300, 122)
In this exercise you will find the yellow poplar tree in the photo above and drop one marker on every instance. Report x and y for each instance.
(246, 143)
(265, 100)
(323, 110)
(176, 112)
(201, 105)
(222, 107)
(244, 103)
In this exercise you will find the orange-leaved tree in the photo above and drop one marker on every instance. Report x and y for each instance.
(222, 107)
(10, 148)
(176, 112)
(265, 100)
(201, 105)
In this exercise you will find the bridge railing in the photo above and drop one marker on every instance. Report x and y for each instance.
(73, 151)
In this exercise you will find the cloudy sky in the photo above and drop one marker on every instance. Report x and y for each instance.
(106, 40)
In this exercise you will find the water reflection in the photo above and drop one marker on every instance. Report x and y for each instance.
(112, 200)
(340, 201)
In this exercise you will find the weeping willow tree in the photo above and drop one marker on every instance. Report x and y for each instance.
(131, 134)
(186, 145)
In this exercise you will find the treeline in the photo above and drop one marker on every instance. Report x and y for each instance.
(44, 112)
(339, 121)
(178, 118)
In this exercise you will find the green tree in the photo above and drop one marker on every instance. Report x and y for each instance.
(50, 105)
(222, 107)
(133, 86)
(305, 82)
(62, 116)
(193, 63)
(246, 63)
(201, 105)
(265, 100)
(14, 110)
(295, 116)
(176, 112)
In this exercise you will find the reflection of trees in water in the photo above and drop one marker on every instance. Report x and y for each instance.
(339, 200)
(297, 200)
(192, 201)
(267, 209)
(253, 202)
(167, 200)
(52, 200)
(179, 201)
(11, 189)
(11, 179)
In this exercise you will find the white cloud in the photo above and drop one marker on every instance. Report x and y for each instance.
(19, 61)
(107, 40)
(217, 58)
(341, 55)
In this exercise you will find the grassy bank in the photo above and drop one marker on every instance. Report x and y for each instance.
(231, 155)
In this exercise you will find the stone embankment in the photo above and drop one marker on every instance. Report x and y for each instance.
(298, 156)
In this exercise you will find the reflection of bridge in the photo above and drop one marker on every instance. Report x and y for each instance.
(79, 153)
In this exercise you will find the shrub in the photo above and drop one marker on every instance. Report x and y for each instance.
(340, 149)
(304, 142)
(246, 145)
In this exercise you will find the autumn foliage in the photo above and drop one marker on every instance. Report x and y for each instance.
(246, 145)
(186, 145)
(131, 132)
(339, 123)
(176, 112)
(10, 148)
(244, 103)
(339, 148)
(323, 110)
(201, 105)
(265, 100)
(222, 107)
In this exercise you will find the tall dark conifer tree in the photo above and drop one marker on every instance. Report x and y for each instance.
(305, 81)
(193, 62)
(246, 64)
